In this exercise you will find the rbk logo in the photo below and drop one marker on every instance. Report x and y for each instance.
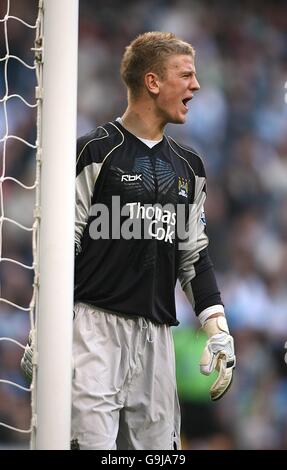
(131, 177)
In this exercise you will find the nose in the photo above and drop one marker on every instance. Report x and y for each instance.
(195, 84)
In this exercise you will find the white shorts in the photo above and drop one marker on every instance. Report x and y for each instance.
(124, 385)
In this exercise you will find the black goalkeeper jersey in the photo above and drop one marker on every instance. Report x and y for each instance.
(134, 208)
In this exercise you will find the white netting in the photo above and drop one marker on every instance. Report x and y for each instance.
(9, 144)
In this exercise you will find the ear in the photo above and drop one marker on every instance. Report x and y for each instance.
(152, 83)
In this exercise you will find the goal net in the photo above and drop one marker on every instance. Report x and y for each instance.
(37, 148)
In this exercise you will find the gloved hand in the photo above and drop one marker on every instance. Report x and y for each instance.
(27, 359)
(218, 354)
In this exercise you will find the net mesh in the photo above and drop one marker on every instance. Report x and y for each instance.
(13, 217)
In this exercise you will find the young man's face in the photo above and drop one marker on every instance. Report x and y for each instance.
(176, 89)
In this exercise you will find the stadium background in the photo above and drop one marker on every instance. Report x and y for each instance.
(238, 122)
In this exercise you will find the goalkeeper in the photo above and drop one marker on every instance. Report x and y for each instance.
(124, 385)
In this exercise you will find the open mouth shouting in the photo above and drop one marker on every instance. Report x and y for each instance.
(185, 101)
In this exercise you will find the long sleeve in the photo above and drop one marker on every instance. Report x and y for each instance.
(196, 272)
(86, 175)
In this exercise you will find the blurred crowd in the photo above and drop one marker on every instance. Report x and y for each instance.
(238, 123)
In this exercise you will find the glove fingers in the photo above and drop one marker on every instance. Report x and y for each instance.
(207, 361)
(223, 381)
(27, 370)
(219, 354)
(27, 363)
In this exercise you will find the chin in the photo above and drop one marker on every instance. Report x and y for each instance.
(177, 120)
(180, 120)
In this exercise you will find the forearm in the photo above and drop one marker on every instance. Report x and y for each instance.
(202, 290)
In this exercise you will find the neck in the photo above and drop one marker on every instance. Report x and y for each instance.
(140, 119)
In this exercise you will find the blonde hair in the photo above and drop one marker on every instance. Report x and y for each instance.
(148, 52)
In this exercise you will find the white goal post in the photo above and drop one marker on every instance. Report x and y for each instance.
(57, 200)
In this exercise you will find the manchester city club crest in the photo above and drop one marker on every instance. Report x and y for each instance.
(182, 186)
(202, 217)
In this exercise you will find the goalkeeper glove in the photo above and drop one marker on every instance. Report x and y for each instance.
(218, 354)
(27, 359)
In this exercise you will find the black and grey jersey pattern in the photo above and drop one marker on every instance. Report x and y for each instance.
(136, 274)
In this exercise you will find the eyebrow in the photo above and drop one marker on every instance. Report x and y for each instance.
(188, 72)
